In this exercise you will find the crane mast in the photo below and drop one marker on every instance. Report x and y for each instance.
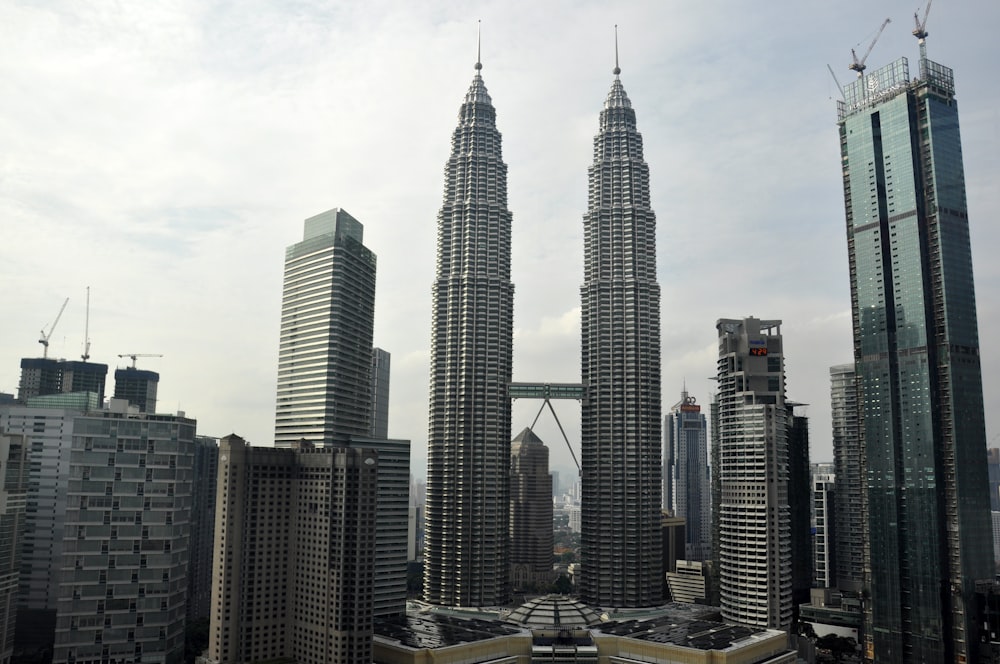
(859, 65)
(44, 338)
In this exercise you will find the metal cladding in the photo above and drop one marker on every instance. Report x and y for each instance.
(621, 412)
(467, 519)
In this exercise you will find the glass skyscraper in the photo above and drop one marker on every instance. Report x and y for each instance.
(327, 323)
(686, 476)
(620, 347)
(467, 535)
(916, 351)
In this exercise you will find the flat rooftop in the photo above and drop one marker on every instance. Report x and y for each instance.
(434, 630)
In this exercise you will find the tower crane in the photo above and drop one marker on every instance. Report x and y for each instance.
(859, 65)
(86, 331)
(135, 355)
(44, 338)
(920, 30)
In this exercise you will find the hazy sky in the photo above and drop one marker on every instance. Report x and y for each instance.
(165, 154)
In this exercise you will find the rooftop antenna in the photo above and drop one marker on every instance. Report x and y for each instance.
(44, 338)
(859, 65)
(920, 31)
(617, 70)
(479, 46)
(86, 331)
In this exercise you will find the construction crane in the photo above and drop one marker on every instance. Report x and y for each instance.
(920, 30)
(86, 331)
(135, 355)
(44, 338)
(840, 88)
(859, 65)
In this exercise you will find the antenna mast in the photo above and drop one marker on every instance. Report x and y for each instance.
(86, 331)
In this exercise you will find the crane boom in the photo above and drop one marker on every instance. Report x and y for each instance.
(135, 355)
(859, 65)
(920, 31)
(44, 338)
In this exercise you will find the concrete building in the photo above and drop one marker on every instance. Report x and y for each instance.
(916, 353)
(379, 427)
(673, 543)
(41, 376)
(123, 580)
(138, 387)
(531, 534)
(294, 570)
(754, 555)
(205, 472)
(466, 547)
(824, 527)
(689, 582)
(13, 500)
(620, 346)
(848, 495)
(799, 505)
(327, 322)
(686, 476)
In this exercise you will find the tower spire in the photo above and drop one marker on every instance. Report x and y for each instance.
(479, 46)
(617, 70)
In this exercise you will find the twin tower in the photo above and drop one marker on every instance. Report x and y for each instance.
(467, 510)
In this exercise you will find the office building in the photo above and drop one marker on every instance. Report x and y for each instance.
(673, 544)
(688, 582)
(13, 500)
(138, 387)
(686, 477)
(122, 585)
(621, 413)
(41, 376)
(205, 471)
(379, 427)
(799, 505)
(294, 561)
(824, 527)
(754, 522)
(916, 354)
(466, 559)
(327, 321)
(531, 535)
(993, 467)
(849, 495)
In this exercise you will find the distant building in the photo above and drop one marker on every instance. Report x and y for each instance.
(688, 582)
(327, 322)
(686, 477)
(205, 471)
(41, 376)
(138, 387)
(673, 544)
(799, 506)
(531, 537)
(824, 527)
(754, 555)
(13, 500)
(848, 494)
(379, 427)
(993, 466)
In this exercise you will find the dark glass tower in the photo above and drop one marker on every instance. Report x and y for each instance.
(916, 352)
(621, 412)
(468, 461)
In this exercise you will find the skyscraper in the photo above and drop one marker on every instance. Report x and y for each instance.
(849, 495)
(755, 566)
(621, 411)
(686, 476)
(531, 533)
(468, 458)
(916, 353)
(379, 427)
(327, 322)
(13, 500)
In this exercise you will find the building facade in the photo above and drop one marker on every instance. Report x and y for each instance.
(13, 500)
(467, 532)
(686, 476)
(205, 471)
(379, 427)
(620, 347)
(754, 521)
(916, 353)
(531, 534)
(849, 491)
(799, 505)
(824, 527)
(41, 376)
(327, 323)
(138, 387)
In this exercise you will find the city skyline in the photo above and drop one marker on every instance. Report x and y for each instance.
(259, 128)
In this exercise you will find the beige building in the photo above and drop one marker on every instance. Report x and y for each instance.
(294, 554)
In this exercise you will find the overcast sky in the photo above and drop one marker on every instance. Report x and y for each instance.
(165, 154)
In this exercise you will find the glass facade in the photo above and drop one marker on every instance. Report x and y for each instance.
(917, 364)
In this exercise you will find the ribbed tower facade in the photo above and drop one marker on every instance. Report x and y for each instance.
(916, 354)
(468, 467)
(621, 413)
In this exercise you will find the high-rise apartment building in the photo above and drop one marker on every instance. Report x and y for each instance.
(686, 477)
(824, 527)
(849, 491)
(620, 345)
(379, 427)
(13, 500)
(916, 353)
(467, 532)
(754, 554)
(122, 585)
(41, 376)
(531, 534)
(294, 554)
(327, 322)
(799, 505)
(205, 472)
(138, 387)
